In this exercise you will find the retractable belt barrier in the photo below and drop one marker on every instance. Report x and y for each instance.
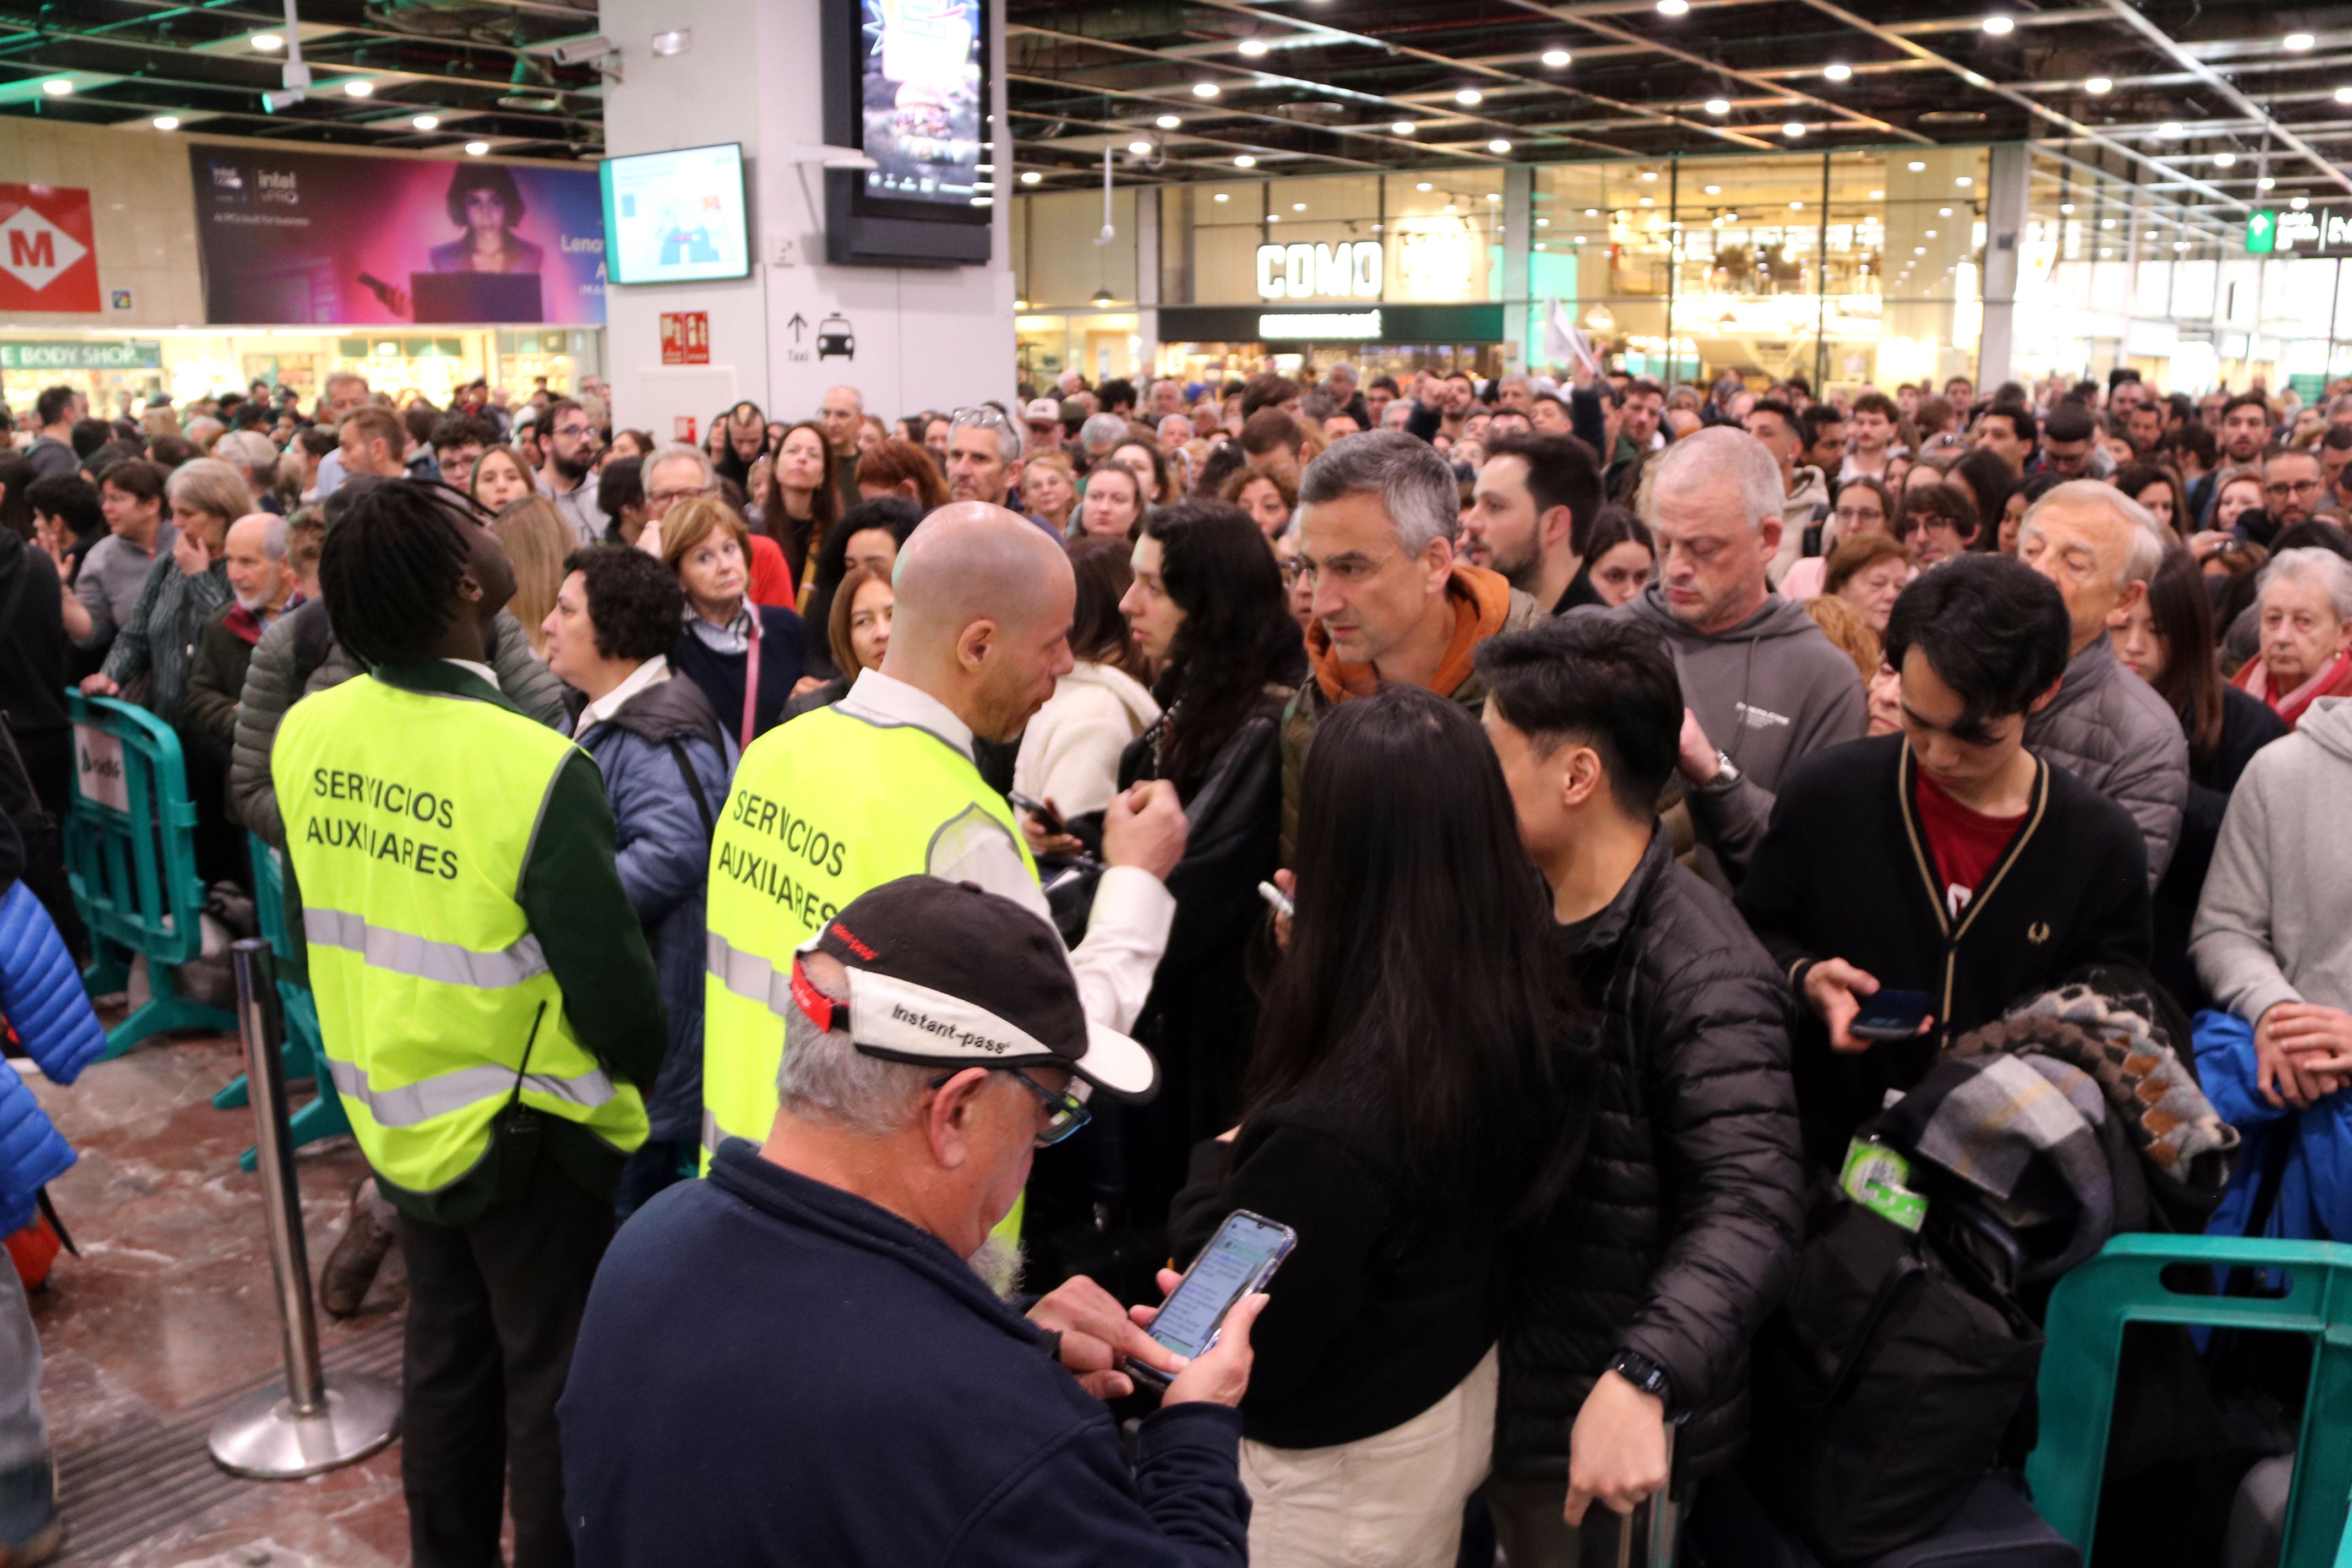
(305, 1056)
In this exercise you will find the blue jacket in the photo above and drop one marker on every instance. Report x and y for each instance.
(41, 993)
(848, 1395)
(2314, 1195)
(664, 835)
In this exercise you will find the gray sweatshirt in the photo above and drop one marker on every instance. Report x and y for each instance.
(113, 574)
(2271, 927)
(1768, 691)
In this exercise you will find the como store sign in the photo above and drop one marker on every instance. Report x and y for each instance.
(1350, 269)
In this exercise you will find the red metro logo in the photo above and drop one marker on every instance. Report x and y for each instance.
(48, 259)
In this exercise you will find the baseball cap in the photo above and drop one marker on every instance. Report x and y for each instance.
(948, 975)
(1043, 411)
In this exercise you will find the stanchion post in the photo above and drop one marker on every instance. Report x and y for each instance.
(306, 1426)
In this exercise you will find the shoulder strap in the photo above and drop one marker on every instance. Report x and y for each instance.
(693, 785)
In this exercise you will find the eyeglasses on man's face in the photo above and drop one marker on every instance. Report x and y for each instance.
(1064, 1112)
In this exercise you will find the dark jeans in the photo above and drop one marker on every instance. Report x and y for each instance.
(493, 1311)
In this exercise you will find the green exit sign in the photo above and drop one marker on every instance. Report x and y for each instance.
(2261, 232)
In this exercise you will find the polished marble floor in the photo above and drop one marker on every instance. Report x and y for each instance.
(170, 1305)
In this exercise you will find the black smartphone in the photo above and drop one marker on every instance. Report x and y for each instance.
(1889, 1016)
(1047, 818)
(1239, 1259)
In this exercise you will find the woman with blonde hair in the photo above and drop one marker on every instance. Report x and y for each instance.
(745, 657)
(901, 469)
(1845, 626)
(537, 539)
(1049, 490)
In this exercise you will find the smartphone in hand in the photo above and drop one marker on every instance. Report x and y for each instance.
(1239, 1259)
(1889, 1016)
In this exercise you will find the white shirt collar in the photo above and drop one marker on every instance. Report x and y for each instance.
(886, 700)
(653, 672)
(484, 670)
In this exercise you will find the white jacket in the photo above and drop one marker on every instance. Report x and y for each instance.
(1069, 753)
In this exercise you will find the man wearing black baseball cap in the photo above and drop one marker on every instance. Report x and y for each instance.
(799, 1359)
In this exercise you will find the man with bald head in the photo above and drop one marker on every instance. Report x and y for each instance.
(882, 784)
(2106, 726)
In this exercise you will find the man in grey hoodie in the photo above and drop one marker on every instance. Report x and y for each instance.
(1764, 686)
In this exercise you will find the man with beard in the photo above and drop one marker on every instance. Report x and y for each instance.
(263, 587)
(1530, 513)
(568, 475)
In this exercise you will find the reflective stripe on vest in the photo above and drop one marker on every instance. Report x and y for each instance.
(397, 951)
(421, 1101)
(747, 975)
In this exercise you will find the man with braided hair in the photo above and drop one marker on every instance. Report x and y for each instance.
(486, 998)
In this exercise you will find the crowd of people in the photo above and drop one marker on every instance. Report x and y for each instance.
(814, 928)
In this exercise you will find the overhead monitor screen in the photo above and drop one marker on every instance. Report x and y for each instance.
(676, 218)
(919, 89)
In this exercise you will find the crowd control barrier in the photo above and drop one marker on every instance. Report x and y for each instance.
(2123, 1284)
(130, 858)
(305, 1054)
(307, 1425)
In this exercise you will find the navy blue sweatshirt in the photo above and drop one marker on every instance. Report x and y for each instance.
(774, 1371)
(721, 674)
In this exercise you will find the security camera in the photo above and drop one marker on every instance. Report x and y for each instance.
(585, 51)
(283, 98)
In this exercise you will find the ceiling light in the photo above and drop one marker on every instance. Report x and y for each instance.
(167, 123)
(2300, 203)
(475, 149)
(1673, 7)
(1914, 165)
(1838, 72)
(1593, 211)
(2106, 223)
(1298, 206)
(1031, 176)
(1796, 206)
(1252, 47)
(1274, 217)
(1220, 196)
(1719, 106)
(1918, 251)
(1168, 122)
(1140, 149)
(1469, 98)
(1498, 145)
(1931, 234)
(1943, 212)
(2179, 245)
(1243, 161)
(1714, 190)
(1965, 180)
(2265, 184)
(1793, 130)
(1555, 58)
(2066, 208)
(1204, 89)
(2098, 84)
(2169, 128)
(1543, 223)
(1402, 128)
(1101, 296)
(1997, 24)
(2298, 42)
(1878, 195)
(358, 87)
(266, 42)
(1579, 239)
(1423, 187)
(1648, 201)
(426, 122)
(2224, 159)
(2104, 253)
(1492, 196)
(58, 85)
(676, 41)
(1452, 208)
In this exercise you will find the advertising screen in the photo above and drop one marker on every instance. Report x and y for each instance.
(677, 217)
(919, 90)
(303, 238)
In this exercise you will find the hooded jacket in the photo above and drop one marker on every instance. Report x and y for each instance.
(1769, 692)
(2271, 926)
(1069, 754)
(1485, 605)
(1804, 513)
(2109, 728)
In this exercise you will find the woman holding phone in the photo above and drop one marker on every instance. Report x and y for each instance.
(1405, 1106)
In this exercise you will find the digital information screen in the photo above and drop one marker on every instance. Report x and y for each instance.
(919, 90)
(676, 218)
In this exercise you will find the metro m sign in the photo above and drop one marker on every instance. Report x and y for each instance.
(49, 260)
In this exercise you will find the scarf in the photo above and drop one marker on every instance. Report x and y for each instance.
(2255, 680)
(734, 638)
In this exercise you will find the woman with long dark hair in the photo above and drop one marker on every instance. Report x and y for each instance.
(1208, 609)
(2168, 641)
(799, 505)
(1404, 1108)
(868, 534)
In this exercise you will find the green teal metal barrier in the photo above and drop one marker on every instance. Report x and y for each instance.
(130, 858)
(2124, 1284)
(305, 1054)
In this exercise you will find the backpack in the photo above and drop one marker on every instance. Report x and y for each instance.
(1897, 1372)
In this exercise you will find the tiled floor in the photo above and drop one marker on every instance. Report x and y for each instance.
(171, 1303)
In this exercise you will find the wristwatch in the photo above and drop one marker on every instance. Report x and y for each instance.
(1644, 1374)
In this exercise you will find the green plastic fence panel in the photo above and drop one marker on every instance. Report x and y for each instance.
(131, 857)
(2124, 1284)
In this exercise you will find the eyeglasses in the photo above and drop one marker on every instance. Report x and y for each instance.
(1064, 1113)
(986, 414)
(662, 497)
(2295, 487)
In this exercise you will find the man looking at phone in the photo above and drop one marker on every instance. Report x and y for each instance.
(1636, 1298)
(2008, 874)
(853, 1389)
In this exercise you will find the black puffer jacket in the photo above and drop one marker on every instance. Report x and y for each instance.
(1677, 1237)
